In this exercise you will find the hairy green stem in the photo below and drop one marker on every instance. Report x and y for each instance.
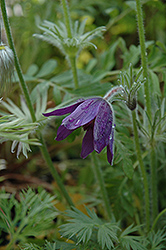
(141, 32)
(17, 65)
(153, 176)
(0, 29)
(44, 151)
(72, 59)
(67, 17)
(143, 171)
(100, 179)
(157, 218)
(74, 71)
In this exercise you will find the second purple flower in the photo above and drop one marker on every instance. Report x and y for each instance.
(95, 115)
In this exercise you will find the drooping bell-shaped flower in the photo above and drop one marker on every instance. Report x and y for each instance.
(96, 117)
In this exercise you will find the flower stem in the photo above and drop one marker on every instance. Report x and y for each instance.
(153, 176)
(67, 18)
(141, 32)
(157, 218)
(74, 71)
(0, 29)
(153, 173)
(100, 179)
(72, 59)
(143, 171)
(44, 151)
(17, 65)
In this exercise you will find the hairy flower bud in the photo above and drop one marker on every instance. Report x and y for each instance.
(6, 67)
(130, 86)
(131, 103)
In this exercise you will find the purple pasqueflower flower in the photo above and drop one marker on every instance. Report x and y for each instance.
(95, 115)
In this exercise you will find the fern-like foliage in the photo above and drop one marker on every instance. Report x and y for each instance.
(129, 240)
(19, 127)
(47, 246)
(30, 246)
(83, 227)
(157, 240)
(125, 240)
(33, 214)
(60, 245)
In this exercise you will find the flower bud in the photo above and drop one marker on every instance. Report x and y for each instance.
(6, 67)
(130, 87)
(131, 103)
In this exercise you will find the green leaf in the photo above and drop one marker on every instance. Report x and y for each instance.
(161, 45)
(131, 56)
(64, 79)
(131, 4)
(33, 214)
(154, 83)
(142, 129)
(98, 75)
(83, 227)
(106, 237)
(47, 68)
(60, 245)
(128, 167)
(91, 64)
(129, 241)
(50, 246)
(30, 246)
(56, 245)
(157, 240)
(32, 70)
(108, 57)
(92, 89)
(57, 95)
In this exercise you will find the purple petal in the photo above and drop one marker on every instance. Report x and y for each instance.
(83, 114)
(87, 143)
(103, 126)
(110, 150)
(65, 110)
(62, 133)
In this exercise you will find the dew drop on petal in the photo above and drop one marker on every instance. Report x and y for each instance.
(71, 119)
(77, 122)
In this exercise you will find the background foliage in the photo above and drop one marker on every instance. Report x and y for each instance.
(50, 82)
